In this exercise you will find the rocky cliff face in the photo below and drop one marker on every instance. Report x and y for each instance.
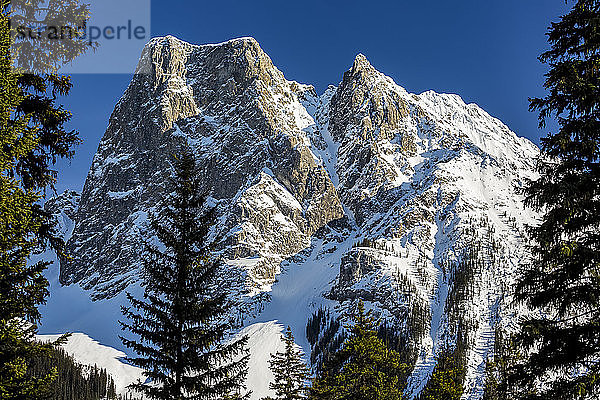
(245, 123)
(411, 200)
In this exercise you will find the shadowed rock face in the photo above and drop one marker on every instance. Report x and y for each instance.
(394, 190)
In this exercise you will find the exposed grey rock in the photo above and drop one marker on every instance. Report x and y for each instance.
(239, 114)
(64, 211)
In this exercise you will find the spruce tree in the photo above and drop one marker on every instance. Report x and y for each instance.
(32, 137)
(562, 283)
(506, 354)
(364, 368)
(289, 371)
(180, 320)
(447, 379)
(73, 381)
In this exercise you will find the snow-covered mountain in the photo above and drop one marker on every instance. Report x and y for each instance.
(88, 352)
(409, 202)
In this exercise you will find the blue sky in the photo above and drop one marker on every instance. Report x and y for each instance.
(485, 51)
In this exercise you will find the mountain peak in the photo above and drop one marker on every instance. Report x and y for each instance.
(362, 64)
(169, 47)
(168, 41)
(244, 40)
(174, 39)
(360, 59)
(171, 41)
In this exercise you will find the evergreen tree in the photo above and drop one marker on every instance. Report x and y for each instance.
(289, 371)
(562, 283)
(180, 320)
(325, 336)
(447, 379)
(32, 137)
(73, 381)
(363, 369)
(59, 34)
(506, 354)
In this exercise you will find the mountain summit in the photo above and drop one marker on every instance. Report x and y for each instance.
(409, 202)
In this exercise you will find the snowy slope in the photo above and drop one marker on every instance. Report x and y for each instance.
(264, 339)
(88, 351)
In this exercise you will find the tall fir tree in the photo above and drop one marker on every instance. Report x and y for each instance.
(364, 368)
(562, 283)
(180, 321)
(32, 137)
(289, 371)
(447, 380)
